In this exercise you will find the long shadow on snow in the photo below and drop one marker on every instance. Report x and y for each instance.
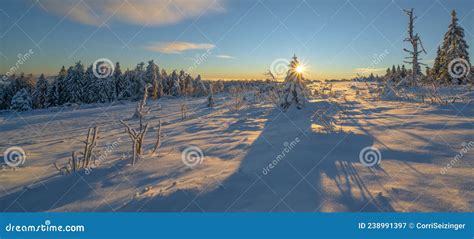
(77, 192)
(294, 182)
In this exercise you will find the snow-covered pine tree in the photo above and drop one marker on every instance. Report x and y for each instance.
(8, 91)
(182, 84)
(94, 92)
(117, 76)
(111, 88)
(188, 85)
(218, 86)
(138, 81)
(21, 101)
(125, 85)
(388, 74)
(199, 87)
(165, 82)
(16, 84)
(403, 72)
(295, 89)
(210, 99)
(394, 73)
(434, 72)
(40, 94)
(57, 90)
(76, 84)
(175, 89)
(454, 47)
(152, 77)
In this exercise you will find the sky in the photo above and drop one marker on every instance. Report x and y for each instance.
(223, 39)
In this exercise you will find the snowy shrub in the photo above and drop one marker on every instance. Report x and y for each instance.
(21, 101)
(294, 87)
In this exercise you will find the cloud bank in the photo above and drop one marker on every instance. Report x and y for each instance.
(225, 57)
(136, 12)
(369, 70)
(178, 47)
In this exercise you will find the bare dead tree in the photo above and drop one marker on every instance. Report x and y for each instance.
(137, 139)
(415, 41)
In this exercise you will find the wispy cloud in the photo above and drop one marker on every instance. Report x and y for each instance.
(178, 47)
(369, 70)
(225, 57)
(138, 12)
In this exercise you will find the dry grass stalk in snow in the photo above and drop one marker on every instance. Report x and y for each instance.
(184, 111)
(326, 122)
(210, 99)
(137, 139)
(158, 137)
(76, 163)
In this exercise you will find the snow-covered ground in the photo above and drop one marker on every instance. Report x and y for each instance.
(256, 158)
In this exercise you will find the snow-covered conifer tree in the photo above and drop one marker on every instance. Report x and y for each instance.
(124, 85)
(76, 84)
(152, 77)
(57, 91)
(138, 80)
(40, 94)
(175, 89)
(454, 47)
(199, 87)
(182, 84)
(21, 101)
(166, 82)
(188, 85)
(295, 89)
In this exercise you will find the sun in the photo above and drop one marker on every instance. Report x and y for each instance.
(299, 69)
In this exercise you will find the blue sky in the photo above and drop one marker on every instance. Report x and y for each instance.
(223, 38)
